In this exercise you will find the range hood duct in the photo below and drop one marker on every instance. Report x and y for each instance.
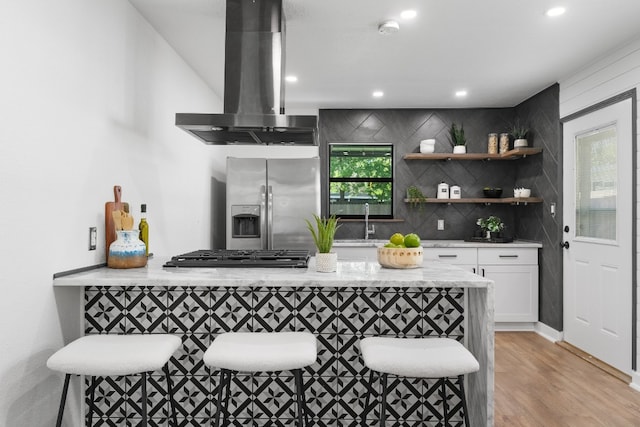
(253, 83)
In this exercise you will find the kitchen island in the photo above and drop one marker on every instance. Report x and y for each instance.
(361, 299)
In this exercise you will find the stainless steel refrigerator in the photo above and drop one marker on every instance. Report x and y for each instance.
(268, 201)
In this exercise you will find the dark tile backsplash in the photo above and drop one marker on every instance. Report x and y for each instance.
(406, 127)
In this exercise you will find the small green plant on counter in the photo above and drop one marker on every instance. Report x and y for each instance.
(493, 224)
(456, 135)
(324, 232)
(415, 196)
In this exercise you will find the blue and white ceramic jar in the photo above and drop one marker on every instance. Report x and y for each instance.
(127, 251)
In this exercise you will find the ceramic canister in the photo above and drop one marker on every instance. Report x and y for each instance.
(127, 251)
(427, 145)
(455, 192)
(443, 190)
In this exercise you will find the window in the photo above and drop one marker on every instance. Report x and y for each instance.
(359, 174)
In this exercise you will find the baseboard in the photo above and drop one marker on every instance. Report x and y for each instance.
(514, 326)
(548, 332)
(635, 380)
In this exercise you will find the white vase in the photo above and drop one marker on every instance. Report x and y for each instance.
(519, 143)
(327, 262)
(459, 149)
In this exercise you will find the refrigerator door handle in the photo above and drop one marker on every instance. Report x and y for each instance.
(270, 217)
(263, 221)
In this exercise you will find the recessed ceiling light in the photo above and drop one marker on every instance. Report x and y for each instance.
(408, 14)
(555, 11)
(291, 79)
(378, 94)
(461, 93)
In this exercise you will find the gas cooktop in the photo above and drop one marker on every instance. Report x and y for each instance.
(242, 258)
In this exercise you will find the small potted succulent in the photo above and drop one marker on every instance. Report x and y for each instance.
(457, 139)
(519, 133)
(323, 234)
(491, 226)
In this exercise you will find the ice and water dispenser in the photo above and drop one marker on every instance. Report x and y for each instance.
(245, 221)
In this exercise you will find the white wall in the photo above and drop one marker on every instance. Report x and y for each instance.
(617, 73)
(88, 93)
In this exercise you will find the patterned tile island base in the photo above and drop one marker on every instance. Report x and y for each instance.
(339, 315)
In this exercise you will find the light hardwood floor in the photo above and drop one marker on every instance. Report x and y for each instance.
(538, 383)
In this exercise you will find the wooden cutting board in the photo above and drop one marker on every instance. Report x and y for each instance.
(109, 207)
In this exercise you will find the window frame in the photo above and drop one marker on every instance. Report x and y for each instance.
(391, 180)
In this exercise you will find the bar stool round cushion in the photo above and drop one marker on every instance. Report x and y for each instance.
(112, 355)
(418, 357)
(262, 351)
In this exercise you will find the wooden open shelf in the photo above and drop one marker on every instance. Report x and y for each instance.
(481, 200)
(516, 153)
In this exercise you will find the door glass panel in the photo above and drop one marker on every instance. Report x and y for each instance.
(597, 183)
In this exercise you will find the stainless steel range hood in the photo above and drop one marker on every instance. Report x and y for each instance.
(253, 83)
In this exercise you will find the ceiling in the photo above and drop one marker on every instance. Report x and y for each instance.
(500, 51)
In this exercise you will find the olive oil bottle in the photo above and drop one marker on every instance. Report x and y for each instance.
(144, 227)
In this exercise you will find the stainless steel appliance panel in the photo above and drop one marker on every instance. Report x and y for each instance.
(285, 191)
(246, 185)
(294, 186)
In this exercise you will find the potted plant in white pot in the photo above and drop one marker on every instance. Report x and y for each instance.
(323, 234)
(519, 133)
(457, 139)
(492, 226)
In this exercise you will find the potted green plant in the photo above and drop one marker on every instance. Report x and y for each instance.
(415, 196)
(519, 133)
(457, 139)
(323, 234)
(492, 226)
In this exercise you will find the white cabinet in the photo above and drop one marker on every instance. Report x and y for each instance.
(515, 274)
(466, 258)
(356, 253)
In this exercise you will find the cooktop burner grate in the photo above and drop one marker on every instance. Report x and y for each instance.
(215, 258)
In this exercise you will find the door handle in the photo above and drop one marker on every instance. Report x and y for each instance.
(564, 245)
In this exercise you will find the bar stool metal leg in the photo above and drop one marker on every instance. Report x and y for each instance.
(383, 408)
(464, 400)
(95, 381)
(302, 405)
(143, 375)
(365, 412)
(172, 401)
(63, 399)
(221, 386)
(445, 418)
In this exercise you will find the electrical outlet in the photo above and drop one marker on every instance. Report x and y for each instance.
(440, 224)
(93, 238)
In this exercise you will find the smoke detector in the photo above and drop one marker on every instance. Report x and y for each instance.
(388, 27)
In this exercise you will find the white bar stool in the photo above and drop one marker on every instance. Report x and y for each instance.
(115, 355)
(439, 358)
(261, 352)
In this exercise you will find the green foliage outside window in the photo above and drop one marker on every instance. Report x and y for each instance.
(358, 174)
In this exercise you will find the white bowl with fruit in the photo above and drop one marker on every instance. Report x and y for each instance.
(401, 252)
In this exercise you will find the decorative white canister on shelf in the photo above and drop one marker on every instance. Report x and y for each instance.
(427, 145)
(326, 262)
(455, 192)
(443, 190)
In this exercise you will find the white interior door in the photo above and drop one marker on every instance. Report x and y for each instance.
(598, 222)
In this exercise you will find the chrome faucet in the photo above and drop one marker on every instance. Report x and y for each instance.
(367, 231)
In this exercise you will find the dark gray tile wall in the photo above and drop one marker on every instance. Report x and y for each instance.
(543, 174)
(406, 127)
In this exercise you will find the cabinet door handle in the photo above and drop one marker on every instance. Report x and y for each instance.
(447, 256)
(482, 272)
(508, 256)
(474, 270)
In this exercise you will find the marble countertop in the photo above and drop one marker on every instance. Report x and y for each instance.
(348, 274)
(439, 244)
